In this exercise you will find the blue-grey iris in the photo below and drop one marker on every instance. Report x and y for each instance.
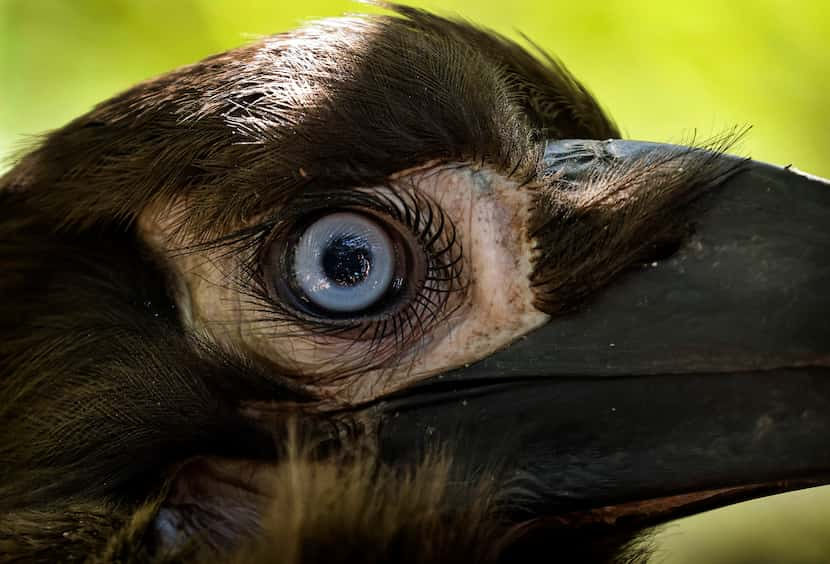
(344, 262)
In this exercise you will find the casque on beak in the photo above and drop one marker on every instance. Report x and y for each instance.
(691, 382)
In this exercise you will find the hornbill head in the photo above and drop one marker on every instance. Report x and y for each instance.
(391, 288)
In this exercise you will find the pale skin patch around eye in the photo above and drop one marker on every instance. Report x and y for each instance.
(495, 308)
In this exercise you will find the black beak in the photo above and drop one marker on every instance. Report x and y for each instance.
(693, 382)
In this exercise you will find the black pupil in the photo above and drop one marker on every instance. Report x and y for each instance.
(347, 261)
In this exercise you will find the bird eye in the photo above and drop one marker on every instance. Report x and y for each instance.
(374, 265)
(344, 263)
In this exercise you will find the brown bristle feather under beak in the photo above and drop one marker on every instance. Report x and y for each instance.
(334, 511)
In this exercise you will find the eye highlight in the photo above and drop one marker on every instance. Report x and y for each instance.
(344, 263)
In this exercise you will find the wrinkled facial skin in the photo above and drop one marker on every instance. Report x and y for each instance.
(161, 380)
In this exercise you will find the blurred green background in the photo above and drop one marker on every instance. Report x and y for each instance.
(666, 71)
